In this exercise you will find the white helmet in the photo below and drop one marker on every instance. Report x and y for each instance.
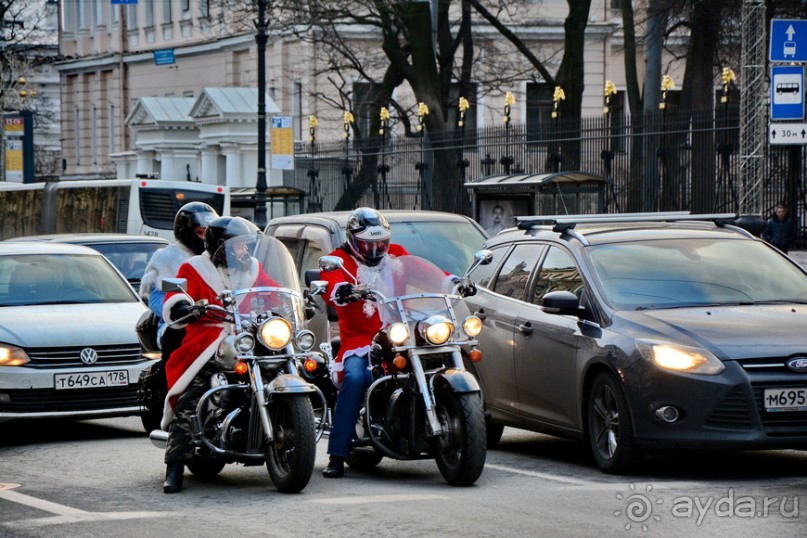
(368, 235)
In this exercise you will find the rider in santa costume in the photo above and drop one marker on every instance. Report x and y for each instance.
(226, 264)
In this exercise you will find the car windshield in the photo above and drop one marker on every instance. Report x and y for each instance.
(449, 245)
(674, 273)
(40, 279)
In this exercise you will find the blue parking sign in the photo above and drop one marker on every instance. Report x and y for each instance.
(787, 92)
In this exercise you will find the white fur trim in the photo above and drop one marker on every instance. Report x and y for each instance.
(164, 263)
(169, 304)
(185, 379)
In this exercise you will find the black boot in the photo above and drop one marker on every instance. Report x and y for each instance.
(335, 468)
(173, 477)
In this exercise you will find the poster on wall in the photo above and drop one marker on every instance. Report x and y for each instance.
(497, 214)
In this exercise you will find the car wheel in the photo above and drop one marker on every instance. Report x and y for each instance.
(610, 431)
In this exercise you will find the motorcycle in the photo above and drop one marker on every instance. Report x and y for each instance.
(258, 408)
(422, 404)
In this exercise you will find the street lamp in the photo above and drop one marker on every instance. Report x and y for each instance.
(260, 185)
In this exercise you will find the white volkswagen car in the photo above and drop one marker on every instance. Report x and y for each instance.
(68, 347)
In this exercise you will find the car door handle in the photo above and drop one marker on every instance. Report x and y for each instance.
(525, 328)
(481, 314)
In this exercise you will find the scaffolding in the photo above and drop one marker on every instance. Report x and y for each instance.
(753, 106)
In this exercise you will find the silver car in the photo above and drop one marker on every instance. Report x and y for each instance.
(68, 348)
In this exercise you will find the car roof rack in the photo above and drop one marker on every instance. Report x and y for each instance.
(566, 223)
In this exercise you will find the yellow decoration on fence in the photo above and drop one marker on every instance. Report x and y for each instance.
(557, 97)
(423, 111)
(463, 105)
(610, 89)
(509, 100)
(667, 84)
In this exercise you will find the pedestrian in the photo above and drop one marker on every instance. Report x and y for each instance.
(226, 264)
(364, 254)
(780, 231)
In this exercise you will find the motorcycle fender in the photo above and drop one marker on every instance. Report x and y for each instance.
(460, 381)
(289, 384)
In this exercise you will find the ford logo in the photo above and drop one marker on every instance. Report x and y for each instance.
(797, 364)
(88, 355)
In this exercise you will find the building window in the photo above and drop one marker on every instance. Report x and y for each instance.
(365, 111)
(94, 135)
(98, 12)
(204, 9)
(131, 17)
(77, 136)
(539, 111)
(112, 145)
(185, 6)
(297, 108)
(148, 16)
(81, 8)
(167, 15)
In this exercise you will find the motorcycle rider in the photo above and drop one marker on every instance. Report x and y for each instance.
(364, 254)
(190, 224)
(225, 264)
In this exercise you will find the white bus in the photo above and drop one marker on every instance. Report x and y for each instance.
(131, 206)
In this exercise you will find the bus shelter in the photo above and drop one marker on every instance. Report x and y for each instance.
(497, 199)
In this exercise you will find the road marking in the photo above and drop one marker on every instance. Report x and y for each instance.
(65, 514)
(369, 499)
(536, 474)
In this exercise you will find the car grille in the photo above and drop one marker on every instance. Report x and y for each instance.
(43, 400)
(731, 412)
(70, 357)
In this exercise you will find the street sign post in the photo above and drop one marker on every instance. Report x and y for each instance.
(788, 41)
(787, 133)
(787, 92)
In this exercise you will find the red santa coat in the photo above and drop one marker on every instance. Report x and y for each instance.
(358, 323)
(202, 337)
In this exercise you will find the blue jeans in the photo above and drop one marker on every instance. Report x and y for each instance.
(357, 378)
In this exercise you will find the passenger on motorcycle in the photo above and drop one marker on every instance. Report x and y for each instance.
(190, 224)
(365, 253)
(226, 264)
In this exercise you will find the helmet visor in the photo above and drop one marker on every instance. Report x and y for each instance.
(202, 218)
(372, 249)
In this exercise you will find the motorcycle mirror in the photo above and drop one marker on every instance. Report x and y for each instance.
(174, 284)
(330, 263)
(481, 257)
(318, 287)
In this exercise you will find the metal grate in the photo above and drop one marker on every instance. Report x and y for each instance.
(731, 412)
(70, 357)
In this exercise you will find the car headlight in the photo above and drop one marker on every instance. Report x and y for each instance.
(12, 356)
(472, 326)
(677, 358)
(436, 330)
(275, 333)
(398, 333)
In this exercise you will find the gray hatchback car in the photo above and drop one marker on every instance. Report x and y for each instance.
(643, 331)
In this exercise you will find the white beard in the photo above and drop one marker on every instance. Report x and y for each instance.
(380, 278)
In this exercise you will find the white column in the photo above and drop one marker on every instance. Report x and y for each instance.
(232, 165)
(144, 162)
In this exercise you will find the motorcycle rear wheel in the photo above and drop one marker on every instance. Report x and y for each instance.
(290, 456)
(461, 450)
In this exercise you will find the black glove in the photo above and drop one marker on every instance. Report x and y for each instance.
(345, 294)
(182, 309)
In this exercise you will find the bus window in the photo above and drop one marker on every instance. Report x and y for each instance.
(158, 206)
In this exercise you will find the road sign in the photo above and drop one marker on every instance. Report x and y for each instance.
(787, 133)
(282, 143)
(164, 57)
(787, 92)
(788, 40)
(123, 2)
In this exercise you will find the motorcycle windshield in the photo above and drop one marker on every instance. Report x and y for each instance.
(415, 289)
(263, 279)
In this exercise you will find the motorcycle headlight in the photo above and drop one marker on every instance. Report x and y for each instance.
(12, 356)
(677, 358)
(472, 326)
(275, 333)
(436, 330)
(244, 342)
(398, 333)
(305, 340)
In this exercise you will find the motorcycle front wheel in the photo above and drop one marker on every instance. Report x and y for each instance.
(461, 449)
(291, 454)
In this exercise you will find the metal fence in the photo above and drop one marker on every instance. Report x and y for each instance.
(663, 162)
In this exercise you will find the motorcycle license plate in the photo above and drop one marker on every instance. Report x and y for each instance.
(787, 399)
(92, 380)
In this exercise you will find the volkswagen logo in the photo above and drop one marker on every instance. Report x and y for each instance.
(797, 364)
(88, 355)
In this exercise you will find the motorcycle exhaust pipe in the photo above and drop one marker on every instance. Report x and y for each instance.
(159, 438)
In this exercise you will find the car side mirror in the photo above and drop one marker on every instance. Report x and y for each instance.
(562, 303)
(174, 284)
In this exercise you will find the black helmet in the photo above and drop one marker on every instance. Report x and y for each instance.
(222, 229)
(189, 217)
(368, 235)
